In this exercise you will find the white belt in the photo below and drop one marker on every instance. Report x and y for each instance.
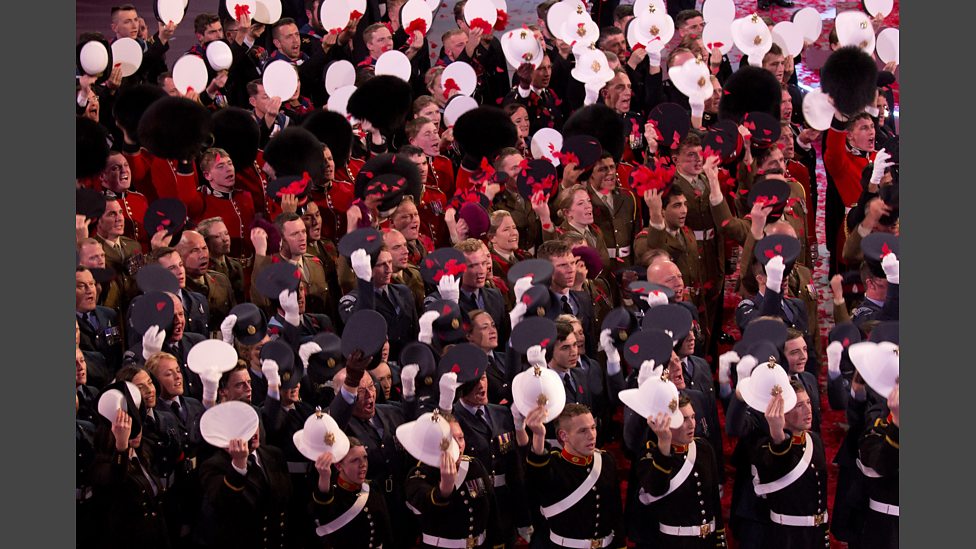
(298, 467)
(581, 543)
(499, 480)
(793, 520)
(700, 531)
(707, 234)
(614, 253)
(885, 508)
(466, 543)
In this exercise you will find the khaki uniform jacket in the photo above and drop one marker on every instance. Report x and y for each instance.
(617, 225)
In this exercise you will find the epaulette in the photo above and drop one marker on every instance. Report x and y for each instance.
(465, 458)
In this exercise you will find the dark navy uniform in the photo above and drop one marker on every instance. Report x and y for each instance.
(597, 516)
(791, 310)
(879, 463)
(99, 332)
(487, 299)
(369, 528)
(128, 496)
(467, 514)
(396, 306)
(492, 442)
(804, 500)
(693, 509)
(250, 511)
(387, 468)
(192, 385)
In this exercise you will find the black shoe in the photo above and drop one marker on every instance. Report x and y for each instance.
(784, 3)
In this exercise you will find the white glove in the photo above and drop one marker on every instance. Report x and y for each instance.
(881, 163)
(655, 298)
(745, 367)
(647, 371)
(725, 362)
(536, 356)
(361, 265)
(697, 108)
(270, 370)
(518, 418)
(152, 341)
(289, 304)
(521, 286)
(427, 319)
(448, 386)
(408, 377)
(834, 352)
(872, 110)
(613, 355)
(516, 314)
(307, 350)
(653, 57)
(449, 287)
(227, 329)
(890, 266)
(774, 274)
(525, 532)
(592, 94)
(210, 380)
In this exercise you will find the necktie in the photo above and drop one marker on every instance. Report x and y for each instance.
(377, 424)
(570, 387)
(178, 410)
(152, 483)
(567, 309)
(92, 319)
(788, 312)
(481, 415)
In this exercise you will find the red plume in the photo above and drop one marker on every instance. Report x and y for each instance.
(479, 23)
(501, 21)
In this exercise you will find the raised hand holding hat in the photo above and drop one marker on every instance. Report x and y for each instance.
(521, 285)
(774, 274)
(448, 387)
(408, 378)
(152, 341)
(613, 355)
(306, 350)
(517, 313)
(288, 299)
(361, 265)
(655, 298)
(227, 329)
(426, 322)
(450, 288)
(647, 370)
(834, 352)
(536, 356)
(725, 361)
(890, 265)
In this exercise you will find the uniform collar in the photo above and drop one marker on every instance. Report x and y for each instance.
(574, 459)
(347, 486)
(798, 438)
(679, 448)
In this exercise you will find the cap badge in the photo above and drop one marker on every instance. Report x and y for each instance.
(655, 31)
(251, 330)
(595, 66)
(673, 405)
(331, 363)
(542, 400)
(757, 40)
(776, 391)
(455, 324)
(329, 438)
(772, 362)
(445, 444)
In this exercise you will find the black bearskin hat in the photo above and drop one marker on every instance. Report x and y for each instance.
(236, 131)
(390, 164)
(91, 147)
(750, 89)
(130, 105)
(601, 122)
(332, 129)
(175, 128)
(384, 101)
(850, 78)
(295, 151)
(481, 133)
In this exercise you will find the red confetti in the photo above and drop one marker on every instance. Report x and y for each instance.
(635, 348)
(417, 25)
(544, 343)
(449, 86)
(241, 9)
(160, 305)
(479, 23)
(446, 310)
(885, 250)
(456, 369)
(846, 342)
